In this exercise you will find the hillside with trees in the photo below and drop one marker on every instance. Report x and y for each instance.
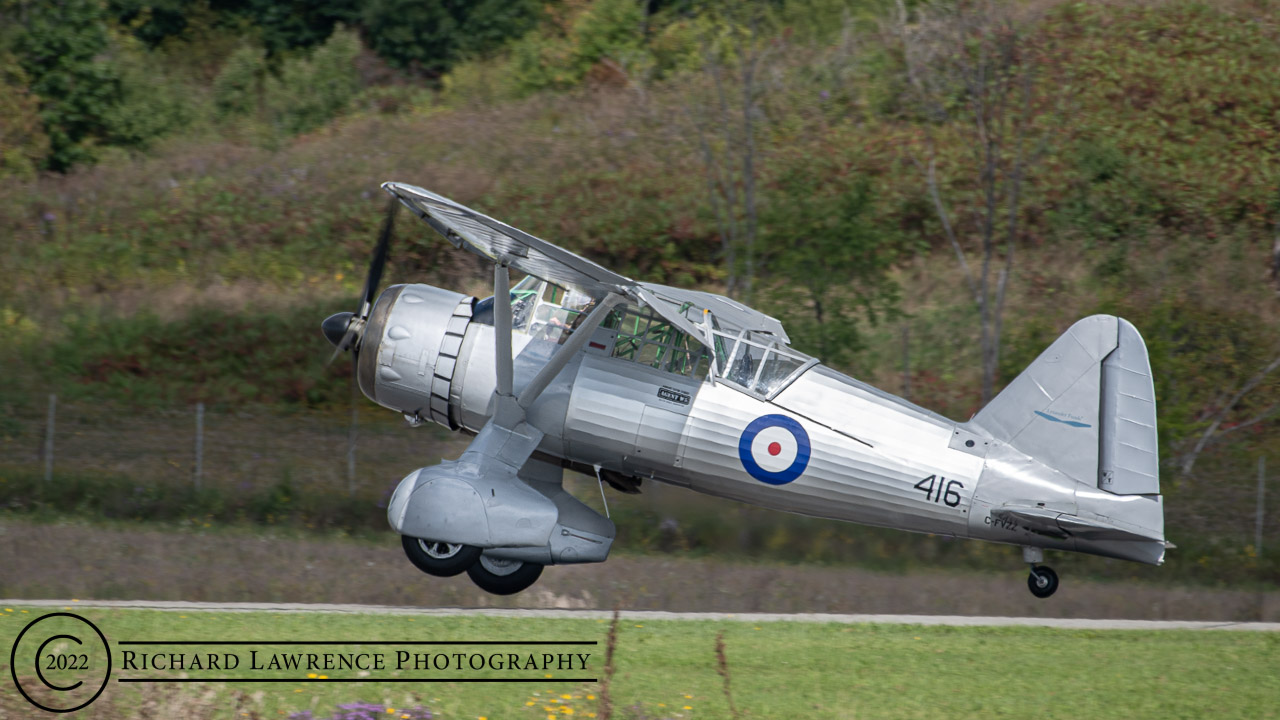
(927, 194)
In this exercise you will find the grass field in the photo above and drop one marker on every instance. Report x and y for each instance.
(668, 669)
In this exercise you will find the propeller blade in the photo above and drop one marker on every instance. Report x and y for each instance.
(339, 350)
(379, 260)
(344, 329)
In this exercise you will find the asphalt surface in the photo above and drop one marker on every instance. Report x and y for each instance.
(653, 615)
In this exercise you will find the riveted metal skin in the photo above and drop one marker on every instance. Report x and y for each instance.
(866, 454)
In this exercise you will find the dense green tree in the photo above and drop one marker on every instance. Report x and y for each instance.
(292, 24)
(237, 90)
(307, 91)
(431, 34)
(23, 143)
(152, 21)
(311, 91)
(95, 86)
(824, 266)
(426, 34)
(61, 49)
(560, 54)
(279, 26)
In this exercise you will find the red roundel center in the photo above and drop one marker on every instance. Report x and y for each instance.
(775, 448)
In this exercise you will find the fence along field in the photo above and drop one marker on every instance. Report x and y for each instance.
(334, 470)
(235, 451)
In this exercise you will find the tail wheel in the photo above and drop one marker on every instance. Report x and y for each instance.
(437, 558)
(503, 577)
(1042, 581)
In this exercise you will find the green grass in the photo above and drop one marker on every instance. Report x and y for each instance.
(778, 670)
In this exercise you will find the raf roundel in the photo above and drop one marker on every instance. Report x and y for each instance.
(774, 449)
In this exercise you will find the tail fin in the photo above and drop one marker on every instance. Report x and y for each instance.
(1086, 407)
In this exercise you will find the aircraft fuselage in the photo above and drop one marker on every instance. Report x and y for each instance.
(822, 445)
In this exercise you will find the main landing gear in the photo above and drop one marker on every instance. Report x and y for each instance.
(493, 575)
(1043, 581)
(439, 558)
(503, 577)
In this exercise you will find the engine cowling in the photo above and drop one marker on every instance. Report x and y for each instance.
(409, 351)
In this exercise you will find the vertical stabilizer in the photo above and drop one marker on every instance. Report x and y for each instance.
(1086, 407)
(1052, 410)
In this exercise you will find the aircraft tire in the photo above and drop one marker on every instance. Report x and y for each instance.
(1042, 582)
(503, 577)
(438, 558)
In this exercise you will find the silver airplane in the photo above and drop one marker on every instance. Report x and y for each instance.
(578, 367)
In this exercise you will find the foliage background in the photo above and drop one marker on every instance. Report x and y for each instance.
(188, 186)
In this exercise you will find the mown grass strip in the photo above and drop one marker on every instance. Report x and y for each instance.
(668, 669)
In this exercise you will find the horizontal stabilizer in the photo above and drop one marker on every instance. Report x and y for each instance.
(1061, 525)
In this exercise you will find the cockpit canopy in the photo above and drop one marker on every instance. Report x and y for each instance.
(755, 362)
(750, 360)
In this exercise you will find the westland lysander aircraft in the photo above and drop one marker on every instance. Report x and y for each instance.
(578, 367)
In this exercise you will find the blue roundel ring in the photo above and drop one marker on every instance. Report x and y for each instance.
(782, 477)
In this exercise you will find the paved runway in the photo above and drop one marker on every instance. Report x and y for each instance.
(653, 615)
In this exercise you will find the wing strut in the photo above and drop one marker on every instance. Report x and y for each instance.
(570, 348)
(502, 327)
(509, 411)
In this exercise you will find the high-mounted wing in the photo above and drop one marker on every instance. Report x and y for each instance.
(480, 234)
(690, 304)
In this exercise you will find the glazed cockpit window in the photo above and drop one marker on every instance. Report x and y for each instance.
(647, 338)
(755, 361)
(524, 296)
(543, 310)
(559, 310)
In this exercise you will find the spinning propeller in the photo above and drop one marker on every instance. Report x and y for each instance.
(344, 329)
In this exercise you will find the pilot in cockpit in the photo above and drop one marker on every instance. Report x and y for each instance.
(744, 371)
(560, 312)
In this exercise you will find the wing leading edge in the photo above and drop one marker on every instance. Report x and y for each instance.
(480, 234)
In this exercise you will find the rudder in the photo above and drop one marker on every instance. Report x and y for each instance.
(1129, 461)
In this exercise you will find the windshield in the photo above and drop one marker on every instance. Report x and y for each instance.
(524, 296)
(756, 362)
